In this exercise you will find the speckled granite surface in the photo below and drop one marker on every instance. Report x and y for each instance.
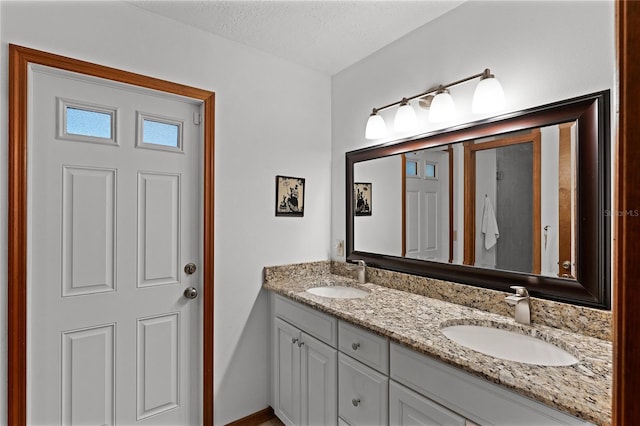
(414, 320)
(577, 319)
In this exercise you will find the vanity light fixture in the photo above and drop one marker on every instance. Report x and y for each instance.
(487, 98)
(406, 120)
(442, 107)
(376, 127)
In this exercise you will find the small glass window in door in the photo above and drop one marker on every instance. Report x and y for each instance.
(85, 122)
(159, 133)
(412, 168)
(430, 170)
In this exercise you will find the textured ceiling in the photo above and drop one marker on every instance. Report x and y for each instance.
(327, 36)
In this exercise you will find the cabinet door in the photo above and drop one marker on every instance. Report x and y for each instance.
(362, 393)
(287, 372)
(319, 371)
(410, 408)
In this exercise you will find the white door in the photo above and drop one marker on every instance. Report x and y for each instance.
(114, 217)
(427, 207)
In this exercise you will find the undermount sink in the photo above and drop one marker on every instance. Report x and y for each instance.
(509, 345)
(338, 292)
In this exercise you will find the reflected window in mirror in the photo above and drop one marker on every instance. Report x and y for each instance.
(430, 170)
(412, 168)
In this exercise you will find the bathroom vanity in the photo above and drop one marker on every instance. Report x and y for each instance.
(382, 359)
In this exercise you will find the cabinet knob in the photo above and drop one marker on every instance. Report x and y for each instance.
(294, 340)
(355, 346)
(355, 402)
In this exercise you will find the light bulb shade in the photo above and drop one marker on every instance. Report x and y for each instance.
(406, 120)
(442, 108)
(376, 127)
(488, 97)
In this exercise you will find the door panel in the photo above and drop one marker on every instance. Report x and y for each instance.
(413, 228)
(158, 364)
(112, 225)
(88, 230)
(158, 229)
(431, 222)
(88, 354)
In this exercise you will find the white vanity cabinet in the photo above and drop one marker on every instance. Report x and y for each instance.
(468, 396)
(304, 365)
(329, 372)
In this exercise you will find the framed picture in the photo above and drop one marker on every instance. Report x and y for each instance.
(362, 202)
(289, 196)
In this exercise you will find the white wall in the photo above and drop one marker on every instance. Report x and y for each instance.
(373, 233)
(541, 52)
(549, 151)
(265, 125)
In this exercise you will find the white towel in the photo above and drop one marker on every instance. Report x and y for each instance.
(489, 225)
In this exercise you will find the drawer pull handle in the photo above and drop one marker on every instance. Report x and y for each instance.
(355, 402)
(294, 340)
(355, 346)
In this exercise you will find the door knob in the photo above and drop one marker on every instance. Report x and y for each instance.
(191, 293)
(566, 265)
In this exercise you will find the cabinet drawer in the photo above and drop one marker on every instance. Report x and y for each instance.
(362, 393)
(407, 407)
(319, 325)
(478, 400)
(364, 346)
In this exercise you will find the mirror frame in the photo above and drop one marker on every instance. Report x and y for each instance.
(592, 286)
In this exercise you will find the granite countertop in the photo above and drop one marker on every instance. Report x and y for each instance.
(583, 390)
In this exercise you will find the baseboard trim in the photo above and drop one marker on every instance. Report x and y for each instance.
(256, 418)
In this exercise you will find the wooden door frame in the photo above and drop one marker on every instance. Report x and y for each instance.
(626, 320)
(19, 60)
(566, 204)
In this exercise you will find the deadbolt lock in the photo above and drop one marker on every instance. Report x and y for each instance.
(190, 268)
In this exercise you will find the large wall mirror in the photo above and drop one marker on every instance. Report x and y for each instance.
(519, 199)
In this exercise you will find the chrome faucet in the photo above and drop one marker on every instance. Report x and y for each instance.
(521, 301)
(362, 271)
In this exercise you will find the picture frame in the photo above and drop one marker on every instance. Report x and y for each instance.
(362, 198)
(290, 196)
